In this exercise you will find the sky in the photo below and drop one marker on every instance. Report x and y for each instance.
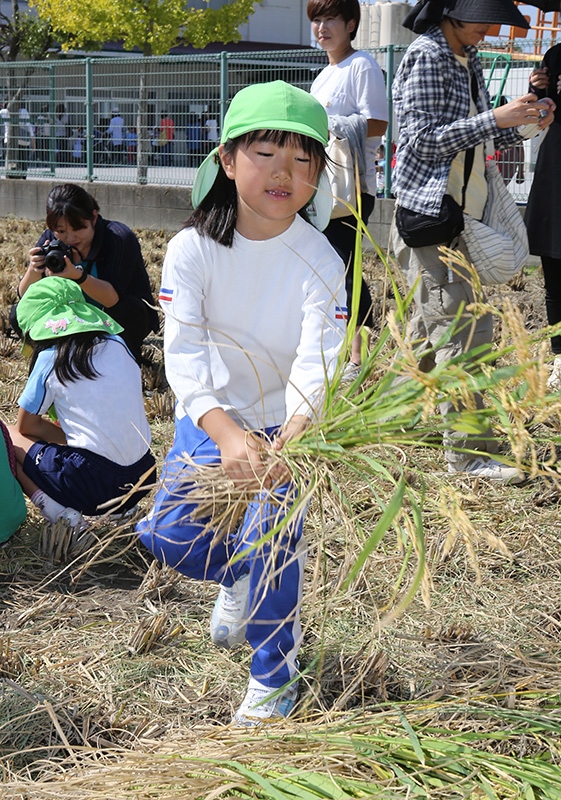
(527, 10)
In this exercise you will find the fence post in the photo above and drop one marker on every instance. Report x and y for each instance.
(224, 83)
(89, 120)
(52, 119)
(390, 66)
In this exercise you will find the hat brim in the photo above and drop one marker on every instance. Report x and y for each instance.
(204, 178)
(55, 326)
(320, 206)
(491, 12)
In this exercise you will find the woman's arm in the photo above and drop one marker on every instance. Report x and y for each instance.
(95, 288)
(35, 270)
(99, 290)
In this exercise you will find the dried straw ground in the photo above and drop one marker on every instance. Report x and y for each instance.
(105, 658)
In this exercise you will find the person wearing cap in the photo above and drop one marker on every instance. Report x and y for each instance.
(353, 92)
(98, 459)
(106, 262)
(442, 109)
(253, 297)
(116, 133)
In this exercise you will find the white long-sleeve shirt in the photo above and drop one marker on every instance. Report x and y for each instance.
(252, 329)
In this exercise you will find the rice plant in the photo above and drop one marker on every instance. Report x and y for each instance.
(370, 434)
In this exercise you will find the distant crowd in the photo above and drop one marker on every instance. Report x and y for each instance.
(48, 140)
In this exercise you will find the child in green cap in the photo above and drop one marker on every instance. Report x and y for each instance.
(91, 463)
(254, 306)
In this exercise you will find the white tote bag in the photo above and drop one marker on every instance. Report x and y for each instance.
(498, 245)
(340, 172)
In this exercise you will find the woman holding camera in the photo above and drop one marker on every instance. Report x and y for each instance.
(102, 256)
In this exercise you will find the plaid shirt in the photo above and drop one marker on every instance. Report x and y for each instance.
(431, 94)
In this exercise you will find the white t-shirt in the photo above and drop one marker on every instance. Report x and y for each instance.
(355, 86)
(116, 130)
(252, 329)
(105, 414)
(5, 119)
(211, 126)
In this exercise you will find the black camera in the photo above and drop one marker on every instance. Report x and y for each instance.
(54, 253)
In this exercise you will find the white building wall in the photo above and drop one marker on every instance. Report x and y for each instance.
(381, 25)
(278, 22)
(286, 22)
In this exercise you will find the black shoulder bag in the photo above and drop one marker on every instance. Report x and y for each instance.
(422, 230)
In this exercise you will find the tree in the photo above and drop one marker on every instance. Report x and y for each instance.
(23, 34)
(153, 26)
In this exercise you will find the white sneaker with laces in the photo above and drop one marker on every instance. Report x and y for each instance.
(263, 704)
(351, 372)
(554, 380)
(229, 616)
(479, 467)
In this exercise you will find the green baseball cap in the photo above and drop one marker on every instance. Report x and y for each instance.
(275, 106)
(55, 307)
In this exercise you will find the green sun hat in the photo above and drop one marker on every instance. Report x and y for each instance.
(55, 307)
(275, 106)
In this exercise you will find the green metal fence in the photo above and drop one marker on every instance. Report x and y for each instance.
(103, 118)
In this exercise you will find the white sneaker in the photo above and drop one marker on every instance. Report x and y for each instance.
(73, 517)
(229, 615)
(554, 380)
(51, 511)
(351, 372)
(263, 704)
(479, 467)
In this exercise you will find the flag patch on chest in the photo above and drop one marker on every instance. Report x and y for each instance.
(341, 312)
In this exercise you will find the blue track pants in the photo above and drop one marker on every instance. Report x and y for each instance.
(192, 547)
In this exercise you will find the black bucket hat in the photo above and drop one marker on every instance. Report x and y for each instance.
(492, 12)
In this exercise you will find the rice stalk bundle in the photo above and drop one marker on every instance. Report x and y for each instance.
(371, 430)
(449, 752)
(60, 542)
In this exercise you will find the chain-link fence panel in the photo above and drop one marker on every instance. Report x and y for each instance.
(153, 120)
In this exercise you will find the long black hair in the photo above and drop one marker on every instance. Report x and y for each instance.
(217, 214)
(73, 359)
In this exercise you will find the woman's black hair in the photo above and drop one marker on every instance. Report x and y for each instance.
(216, 215)
(73, 203)
(73, 359)
(348, 9)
